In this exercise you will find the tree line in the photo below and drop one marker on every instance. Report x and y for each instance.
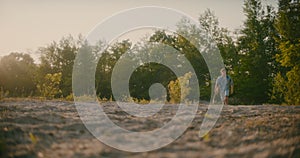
(263, 59)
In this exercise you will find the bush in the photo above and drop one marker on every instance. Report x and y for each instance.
(70, 97)
(3, 94)
(175, 88)
(49, 87)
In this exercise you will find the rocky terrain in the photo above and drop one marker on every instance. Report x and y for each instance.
(35, 128)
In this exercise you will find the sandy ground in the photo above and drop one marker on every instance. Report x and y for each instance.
(34, 128)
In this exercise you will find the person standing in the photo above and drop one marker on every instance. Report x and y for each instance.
(222, 85)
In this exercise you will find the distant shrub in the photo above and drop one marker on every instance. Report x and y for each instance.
(175, 88)
(3, 93)
(85, 98)
(141, 101)
(49, 87)
(70, 97)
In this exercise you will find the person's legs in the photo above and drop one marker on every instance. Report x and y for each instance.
(226, 97)
(222, 96)
(226, 100)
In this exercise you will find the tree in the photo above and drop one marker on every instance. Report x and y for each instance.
(85, 67)
(17, 75)
(148, 74)
(256, 51)
(106, 63)
(49, 86)
(59, 58)
(189, 51)
(180, 92)
(222, 37)
(286, 83)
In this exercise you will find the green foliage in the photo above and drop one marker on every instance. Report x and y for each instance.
(49, 86)
(286, 85)
(189, 51)
(292, 95)
(85, 62)
(180, 88)
(17, 75)
(59, 58)
(279, 88)
(106, 63)
(289, 55)
(70, 97)
(287, 22)
(85, 98)
(263, 60)
(222, 38)
(256, 50)
(3, 94)
(146, 75)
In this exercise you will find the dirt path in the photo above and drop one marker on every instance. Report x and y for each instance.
(32, 128)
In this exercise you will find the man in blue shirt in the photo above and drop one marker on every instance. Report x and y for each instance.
(222, 86)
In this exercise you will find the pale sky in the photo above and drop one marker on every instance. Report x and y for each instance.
(26, 25)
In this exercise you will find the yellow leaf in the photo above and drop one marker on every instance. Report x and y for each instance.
(206, 138)
(33, 138)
